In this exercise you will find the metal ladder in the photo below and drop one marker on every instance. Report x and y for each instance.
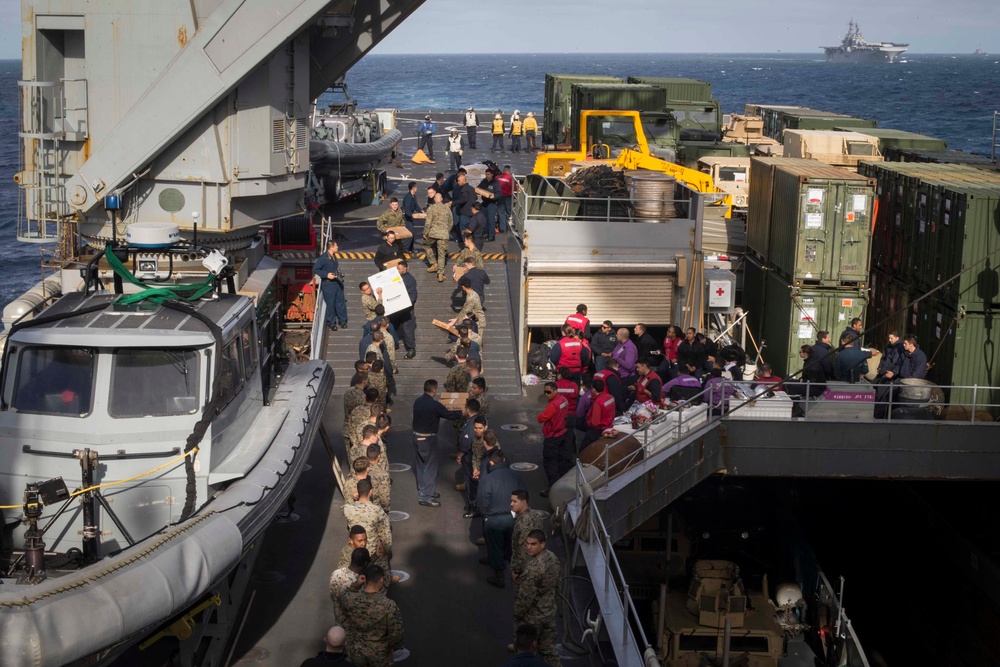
(42, 182)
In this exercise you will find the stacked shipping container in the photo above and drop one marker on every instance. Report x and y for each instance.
(937, 230)
(777, 119)
(809, 231)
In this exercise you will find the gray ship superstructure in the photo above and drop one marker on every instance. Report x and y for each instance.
(856, 49)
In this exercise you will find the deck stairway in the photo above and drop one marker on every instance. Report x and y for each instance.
(433, 302)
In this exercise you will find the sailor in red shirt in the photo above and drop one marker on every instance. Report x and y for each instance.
(649, 385)
(579, 320)
(612, 384)
(557, 458)
(569, 390)
(570, 353)
(602, 412)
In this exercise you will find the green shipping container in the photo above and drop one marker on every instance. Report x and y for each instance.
(678, 89)
(820, 225)
(795, 315)
(558, 114)
(969, 356)
(777, 119)
(887, 307)
(890, 141)
(970, 245)
(947, 157)
(761, 188)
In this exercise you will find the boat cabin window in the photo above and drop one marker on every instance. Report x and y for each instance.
(230, 372)
(248, 343)
(55, 381)
(154, 382)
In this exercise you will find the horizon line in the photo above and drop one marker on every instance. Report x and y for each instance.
(641, 53)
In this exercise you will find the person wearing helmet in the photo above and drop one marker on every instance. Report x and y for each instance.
(425, 134)
(455, 146)
(530, 129)
(497, 134)
(471, 125)
(516, 129)
(516, 114)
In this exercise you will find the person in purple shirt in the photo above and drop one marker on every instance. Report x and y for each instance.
(684, 387)
(718, 391)
(626, 355)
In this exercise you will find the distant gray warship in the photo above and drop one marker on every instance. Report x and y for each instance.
(856, 49)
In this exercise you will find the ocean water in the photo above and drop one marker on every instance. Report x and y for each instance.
(951, 97)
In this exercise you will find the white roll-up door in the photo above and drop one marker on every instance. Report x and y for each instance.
(622, 298)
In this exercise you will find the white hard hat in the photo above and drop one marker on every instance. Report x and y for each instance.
(498, 117)
(530, 114)
(517, 111)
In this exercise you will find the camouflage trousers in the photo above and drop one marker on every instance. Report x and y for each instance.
(546, 639)
(437, 253)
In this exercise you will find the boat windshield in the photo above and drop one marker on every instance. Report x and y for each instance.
(149, 382)
(55, 381)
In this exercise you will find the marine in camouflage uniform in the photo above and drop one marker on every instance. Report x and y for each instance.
(458, 379)
(362, 450)
(375, 522)
(377, 381)
(360, 416)
(341, 581)
(524, 523)
(353, 398)
(368, 303)
(475, 306)
(478, 451)
(389, 218)
(535, 601)
(381, 487)
(374, 628)
(484, 401)
(472, 253)
(377, 497)
(437, 230)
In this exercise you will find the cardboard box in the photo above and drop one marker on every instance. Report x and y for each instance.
(392, 263)
(444, 325)
(453, 400)
(401, 233)
(485, 194)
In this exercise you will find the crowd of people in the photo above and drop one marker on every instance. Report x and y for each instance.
(370, 627)
(513, 130)
(600, 374)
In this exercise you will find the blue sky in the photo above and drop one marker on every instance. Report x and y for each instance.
(652, 26)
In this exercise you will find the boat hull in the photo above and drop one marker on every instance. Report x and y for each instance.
(126, 596)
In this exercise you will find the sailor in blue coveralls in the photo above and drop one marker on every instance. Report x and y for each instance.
(333, 290)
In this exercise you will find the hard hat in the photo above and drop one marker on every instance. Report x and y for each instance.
(470, 108)
(427, 117)
(497, 117)
(517, 111)
(454, 131)
(530, 114)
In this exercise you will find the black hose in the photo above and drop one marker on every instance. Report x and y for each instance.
(207, 413)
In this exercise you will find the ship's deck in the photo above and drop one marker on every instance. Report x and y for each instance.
(451, 615)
